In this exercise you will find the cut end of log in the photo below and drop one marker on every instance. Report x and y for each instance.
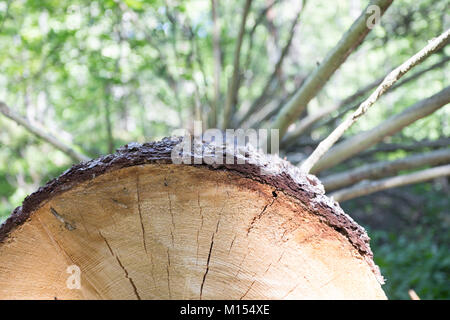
(139, 226)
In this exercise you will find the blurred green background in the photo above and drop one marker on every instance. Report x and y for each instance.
(99, 74)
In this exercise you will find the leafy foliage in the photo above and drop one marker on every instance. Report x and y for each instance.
(413, 260)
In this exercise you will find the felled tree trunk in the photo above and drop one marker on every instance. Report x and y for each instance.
(140, 227)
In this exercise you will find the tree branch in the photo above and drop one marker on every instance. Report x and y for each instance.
(365, 188)
(6, 111)
(233, 87)
(397, 85)
(384, 168)
(259, 19)
(387, 83)
(217, 64)
(307, 122)
(366, 139)
(210, 118)
(335, 58)
(411, 146)
(107, 118)
(265, 92)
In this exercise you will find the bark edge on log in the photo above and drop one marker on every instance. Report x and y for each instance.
(278, 173)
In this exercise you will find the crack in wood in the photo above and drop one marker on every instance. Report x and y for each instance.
(122, 266)
(170, 210)
(290, 291)
(143, 228)
(231, 245)
(242, 261)
(168, 282)
(248, 290)
(107, 244)
(259, 216)
(281, 256)
(207, 266)
(173, 219)
(140, 214)
(198, 234)
(198, 203)
(168, 273)
(129, 278)
(208, 260)
(267, 270)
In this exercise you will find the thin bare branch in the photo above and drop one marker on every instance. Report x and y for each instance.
(233, 86)
(217, 63)
(394, 124)
(107, 118)
(348, 100)
(335, 58)
(261, 16)
(411, 146)
(384, 168)
(265, 92)
(387, 83)
(6, 111)
(365, 188)
(200, 95)
(307, 122)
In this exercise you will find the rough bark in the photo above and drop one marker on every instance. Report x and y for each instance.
(140, 227)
